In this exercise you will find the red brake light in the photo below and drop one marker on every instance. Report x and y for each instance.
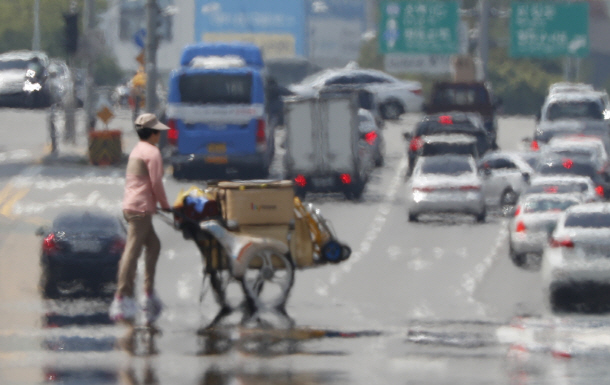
(600, 191)
(470, 188)
(562, 243)
(415, 144)
(49, 245)
(117, 246)
(550, 189)
(568, 163)
(261, 137)
(370, 137)
(172, 134)
(445, 119)
(520, 227)
(534, 146)
(424, 189)
(300, 180)
(417, 91)
(346, 178)
(518, 210)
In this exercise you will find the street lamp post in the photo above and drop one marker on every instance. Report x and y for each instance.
(36, 37)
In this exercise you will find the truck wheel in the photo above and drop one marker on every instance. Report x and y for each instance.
(354, 192)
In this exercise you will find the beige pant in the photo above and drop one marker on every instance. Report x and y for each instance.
(140, 233)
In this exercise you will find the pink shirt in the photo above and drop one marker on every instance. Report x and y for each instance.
(143, 180)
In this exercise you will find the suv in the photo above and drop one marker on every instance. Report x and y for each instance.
(466, 97)
(462, 123)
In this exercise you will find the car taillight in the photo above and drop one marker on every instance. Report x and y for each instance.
(600, 191)
(562, 243)
(424, 189)
(470, 188)
(520, 227)
(415, 144)
(534, 146)
(48, 244)
(518, 210)
(445, 119)
(261, 137)
(300, 180)
(417, 91)
(345, 178)
(117, 246)
(370, 137)
(172, 134)
(568, 163)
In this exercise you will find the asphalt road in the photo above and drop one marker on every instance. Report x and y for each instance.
(435, 302)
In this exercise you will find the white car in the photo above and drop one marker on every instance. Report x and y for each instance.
(572, 106)
(565, 184)
(576, 265)
(585, 147)
(505, 176)
(393, 96)
(445, 184)
(535, 218)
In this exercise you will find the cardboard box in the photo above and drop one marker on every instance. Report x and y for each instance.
(250, 203)
(301, 246)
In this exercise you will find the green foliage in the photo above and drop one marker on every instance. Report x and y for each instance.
(521, 83)
(106, 71)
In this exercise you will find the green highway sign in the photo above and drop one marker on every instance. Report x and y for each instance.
(546, 29)
(422, 27)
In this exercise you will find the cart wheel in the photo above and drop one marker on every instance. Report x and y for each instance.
(332, 251)
(268, 279)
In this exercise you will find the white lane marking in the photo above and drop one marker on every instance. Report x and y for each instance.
(15, 155)
(472, 279)
(372, 233)
(394, 252)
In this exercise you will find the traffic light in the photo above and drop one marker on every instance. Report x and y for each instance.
(71, 32)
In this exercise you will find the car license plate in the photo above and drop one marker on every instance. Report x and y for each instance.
(219, 159)
(86, 246)
(323, 181)
(217, 148)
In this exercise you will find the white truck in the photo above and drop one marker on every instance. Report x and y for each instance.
(324, 148)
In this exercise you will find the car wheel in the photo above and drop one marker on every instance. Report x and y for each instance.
(519, 259)
(391, 110)
(508, 201)
(413, 217)
(480, 217)
(379, 161)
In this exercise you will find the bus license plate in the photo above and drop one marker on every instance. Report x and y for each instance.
(219, 159)
(217, 148)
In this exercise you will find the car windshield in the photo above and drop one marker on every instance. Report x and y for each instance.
(588, 220)
(14, 65)
(216, 88)
(441, 148)
(445, 166)
(543, 205)
(438, 128)
(566, 167)
(86, 223)
(574, 110)
(461, 96)
(559, 188)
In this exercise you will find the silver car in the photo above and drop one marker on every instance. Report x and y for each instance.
(535, 218)
(576, 265)
(445, 184)
(505, 176)
(565, 184)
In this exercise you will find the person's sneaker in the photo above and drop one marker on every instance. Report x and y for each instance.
(123, 309)
(152, 306)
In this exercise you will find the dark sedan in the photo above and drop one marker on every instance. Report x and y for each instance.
(470, 124)
(82, 247)
(556, 165)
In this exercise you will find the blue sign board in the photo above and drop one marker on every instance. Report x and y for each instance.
(277, 26)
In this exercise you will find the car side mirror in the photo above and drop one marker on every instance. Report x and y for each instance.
(41, 231)
(538, 116)
(407, 136)
(526, 177)
(425, 108)
(486, 172)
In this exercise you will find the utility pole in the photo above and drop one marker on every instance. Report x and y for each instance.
(484, 35)
(36, 38)
(88, 23)
(152, 16)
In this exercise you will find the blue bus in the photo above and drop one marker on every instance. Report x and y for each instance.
(216, 111)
